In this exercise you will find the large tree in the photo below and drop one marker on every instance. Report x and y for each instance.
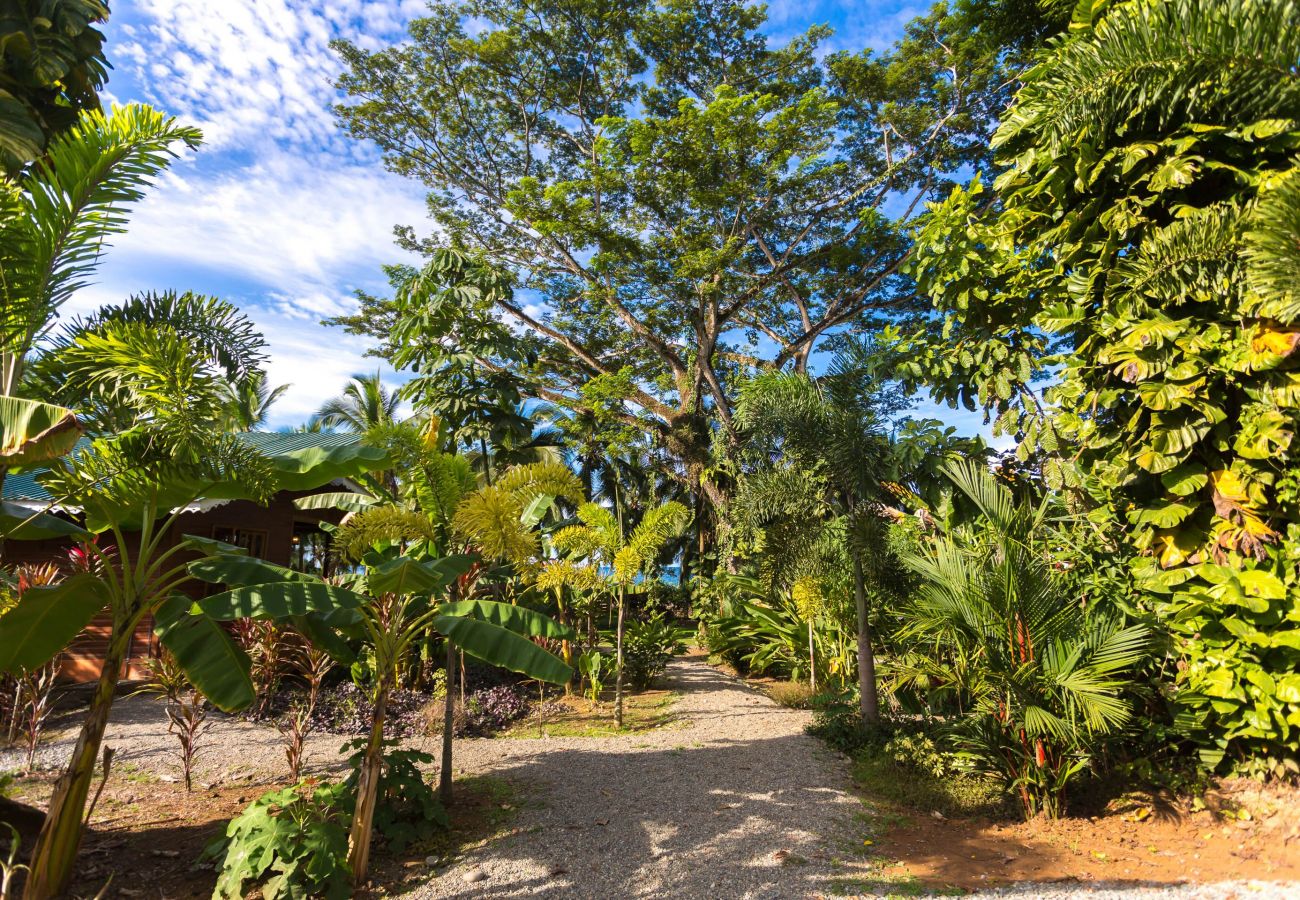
(679, 201)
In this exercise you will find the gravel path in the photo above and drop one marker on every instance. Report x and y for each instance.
(733, 801)
(737, 803)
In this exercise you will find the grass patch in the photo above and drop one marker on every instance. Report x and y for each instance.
(794, 694)
(953, 795)
(579, 717)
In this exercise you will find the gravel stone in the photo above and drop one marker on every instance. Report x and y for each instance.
(732, 801)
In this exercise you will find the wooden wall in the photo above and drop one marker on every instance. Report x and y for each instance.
(85, 655)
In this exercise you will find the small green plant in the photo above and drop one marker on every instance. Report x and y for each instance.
(408, 808)
(647, 647)
(590, 666)
(292, 842)
(9, 865)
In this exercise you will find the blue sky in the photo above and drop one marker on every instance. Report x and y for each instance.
(280, 212)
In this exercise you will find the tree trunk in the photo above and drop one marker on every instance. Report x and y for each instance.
(56, 847)
(812, 660)
(868, 703)
(618, 669)
(372, 770)
(448, 723)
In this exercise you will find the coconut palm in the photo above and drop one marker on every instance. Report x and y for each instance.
(1048, 675)
(364, 404)
(251, 401)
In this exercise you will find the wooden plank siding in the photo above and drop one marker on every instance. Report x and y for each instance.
(84, 657)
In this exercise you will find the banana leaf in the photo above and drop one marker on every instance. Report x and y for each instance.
(20, 524)
(46, 620)
(501, 647)
(32, 432)
(213, 662)
(405, 575)
(347, 501)
(279, 600)
(242, 571)
(518, 619)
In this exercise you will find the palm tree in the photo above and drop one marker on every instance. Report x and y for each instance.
(1044, 676)
(833, 448)
(364, 403)
(54, 223)
(601, 540)
(251, 402)
(206, 329)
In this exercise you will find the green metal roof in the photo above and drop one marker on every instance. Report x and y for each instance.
(24, 486)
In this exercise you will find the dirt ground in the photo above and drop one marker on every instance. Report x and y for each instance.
(1244, 833)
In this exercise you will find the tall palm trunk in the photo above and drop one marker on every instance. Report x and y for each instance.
(372, 771)
(56, 847)
(448, 723)
(618, 669)
(868, 703)
(812, 660)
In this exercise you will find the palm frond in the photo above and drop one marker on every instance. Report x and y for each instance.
(70, 203)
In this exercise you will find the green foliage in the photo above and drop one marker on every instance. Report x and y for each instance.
(408, 809)
(51, 67)
(1143, 226)
(591, 665)
(291, 842)
(1041, 679)
(83, 365)
(693, 202)
(53, 225)
(648, 645)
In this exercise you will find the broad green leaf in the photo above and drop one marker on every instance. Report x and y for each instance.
(348, 501)
(1162, 514)
(502, 647)
(405, 575)
(46, 620)
(411, 576)
(213, 662)
(1185, 479)
(312, 467)
(518, 619)
(319, 628)
(210, 547)
(32, 432)
(20, 524)
(240, 571)
(280, 600)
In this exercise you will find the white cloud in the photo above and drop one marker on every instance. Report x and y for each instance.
(280, 211)
(301, 226)
(253, 71)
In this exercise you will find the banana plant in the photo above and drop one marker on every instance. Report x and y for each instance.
(392, 602)
(124, 486)
(600, 540)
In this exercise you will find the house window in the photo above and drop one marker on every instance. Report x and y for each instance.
(311, 550)
(252, 540)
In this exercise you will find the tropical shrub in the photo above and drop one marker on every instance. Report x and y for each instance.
(1041, 678)
(591, 666)
(291, 842)
(1144, 229)
(492, 709)
(408, 809)
(648, 647)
